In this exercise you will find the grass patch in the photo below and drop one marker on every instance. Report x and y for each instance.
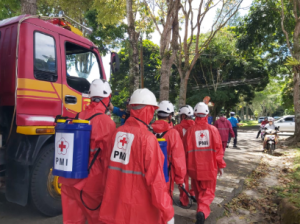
(291, 182)
(249, 123)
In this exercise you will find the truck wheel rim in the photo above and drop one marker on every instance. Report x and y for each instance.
(54, 188)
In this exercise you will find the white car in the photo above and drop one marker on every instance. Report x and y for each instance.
(286, 123)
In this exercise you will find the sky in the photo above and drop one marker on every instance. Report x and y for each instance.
(206, 25)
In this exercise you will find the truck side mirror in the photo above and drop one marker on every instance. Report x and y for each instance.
(114, 62)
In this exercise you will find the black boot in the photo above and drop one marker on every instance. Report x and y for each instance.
(200, 218)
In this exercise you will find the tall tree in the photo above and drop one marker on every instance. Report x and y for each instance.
(133, 40)
(191, 48)
(224, 75)
(272, 30)
(164, 14)
(294, 50)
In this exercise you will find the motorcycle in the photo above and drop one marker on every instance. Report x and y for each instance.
(271, 140)
(262, 132)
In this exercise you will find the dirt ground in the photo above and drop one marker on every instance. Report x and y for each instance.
(259, 201)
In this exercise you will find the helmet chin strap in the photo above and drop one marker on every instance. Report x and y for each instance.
(100, 100)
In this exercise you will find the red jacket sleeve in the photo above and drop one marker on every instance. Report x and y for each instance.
(216, 124)
(178, 157)
(230, 129)
(154, 160)
(178, 128)
(218, 148)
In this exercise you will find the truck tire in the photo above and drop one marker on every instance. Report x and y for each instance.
(43, 198)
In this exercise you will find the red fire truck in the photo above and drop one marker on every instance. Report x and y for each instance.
(46, 68)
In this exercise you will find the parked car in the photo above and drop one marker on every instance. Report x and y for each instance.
(286, 123)
(277, 118)
(260, 119)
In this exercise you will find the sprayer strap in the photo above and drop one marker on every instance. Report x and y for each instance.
(161, 135)
(94, 159)
(93, 116)
(148, 126)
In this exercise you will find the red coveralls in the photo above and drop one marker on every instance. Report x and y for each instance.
(224, 126)
(135, 191)
(182, 128)
(203, 147)
(74, 211)
(176, 153)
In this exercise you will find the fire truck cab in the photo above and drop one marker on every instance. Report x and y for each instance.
(45, 71)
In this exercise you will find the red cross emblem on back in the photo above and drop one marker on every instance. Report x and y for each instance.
(202, 135)
(122, 142)
(62, 146)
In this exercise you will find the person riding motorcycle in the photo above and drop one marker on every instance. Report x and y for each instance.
(263, 123)
(269, 126)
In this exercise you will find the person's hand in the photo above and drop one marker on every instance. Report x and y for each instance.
(221, 172)
(182, 185)
(172, 221)
(111, 107)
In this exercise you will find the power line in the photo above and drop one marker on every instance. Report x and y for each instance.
(231, 83)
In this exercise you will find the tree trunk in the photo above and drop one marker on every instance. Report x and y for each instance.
(142, 63)
(168, 47)
(133, 40)
(182, 92)
(243, 113)
(297, 105)
(247, 112)
(28, 7)
(166, 65)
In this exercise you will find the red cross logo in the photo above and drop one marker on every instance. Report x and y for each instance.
(202, 135)
(122, 142)
(62, 146)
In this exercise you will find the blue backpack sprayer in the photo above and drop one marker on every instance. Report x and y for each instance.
(72, 148)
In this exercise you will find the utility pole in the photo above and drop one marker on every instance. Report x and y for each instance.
(142, 62)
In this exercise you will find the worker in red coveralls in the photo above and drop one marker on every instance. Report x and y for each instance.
(204, 153)
(135, 189)
(176, 155)
(225, 129)
(81, 198)
(186, 121)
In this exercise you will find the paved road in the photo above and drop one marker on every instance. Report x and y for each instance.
(240, 162)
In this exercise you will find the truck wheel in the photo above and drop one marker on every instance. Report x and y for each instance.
(45, 190)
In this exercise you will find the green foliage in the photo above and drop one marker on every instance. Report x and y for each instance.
(9, 8)
(110, 12)
(219, 66)
(105, 37)
(152, 63)
(287, 97)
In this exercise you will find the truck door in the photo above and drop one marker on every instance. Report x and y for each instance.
(80, 66)
(39, 76)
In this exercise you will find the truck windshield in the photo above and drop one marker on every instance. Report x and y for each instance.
(82, 67)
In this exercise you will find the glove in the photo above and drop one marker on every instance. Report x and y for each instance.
(172, 221)
(221, 172)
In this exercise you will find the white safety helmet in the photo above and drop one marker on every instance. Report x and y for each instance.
(143, 97)
(232, 113)
(187, 110)
(166, 106)
(100, 88)
(270, 119)
(201, 108)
